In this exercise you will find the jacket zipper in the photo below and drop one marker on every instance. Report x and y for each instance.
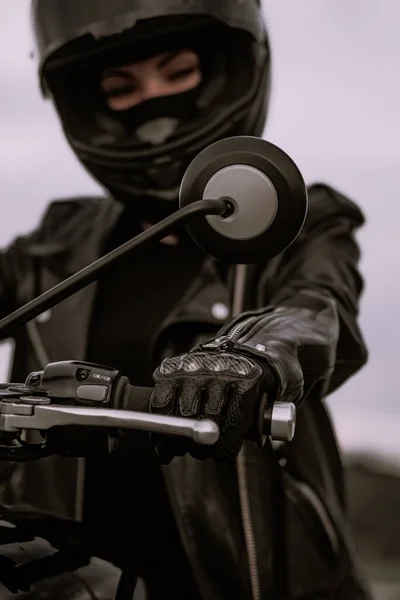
(225, 342)
(243, 483)
(248, 523)
(44, 360)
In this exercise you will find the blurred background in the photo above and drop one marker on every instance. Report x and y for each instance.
(335, 111)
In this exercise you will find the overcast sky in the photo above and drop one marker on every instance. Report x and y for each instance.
(335, 110)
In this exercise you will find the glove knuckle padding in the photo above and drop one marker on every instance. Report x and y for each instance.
(169, 366)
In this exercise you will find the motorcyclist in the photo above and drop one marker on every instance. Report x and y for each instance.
(141, 86)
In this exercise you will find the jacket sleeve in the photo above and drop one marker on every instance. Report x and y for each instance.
(306, 328)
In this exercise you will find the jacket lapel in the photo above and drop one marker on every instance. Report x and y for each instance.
(63, 330)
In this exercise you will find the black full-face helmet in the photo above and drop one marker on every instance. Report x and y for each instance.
(140, 155)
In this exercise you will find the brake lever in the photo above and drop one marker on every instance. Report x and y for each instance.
(35, 413)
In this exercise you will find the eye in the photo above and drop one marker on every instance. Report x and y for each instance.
(119, 92)
(181, 73)
(118, 84)
(185, 65)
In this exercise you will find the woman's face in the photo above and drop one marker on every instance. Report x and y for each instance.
(162, 75)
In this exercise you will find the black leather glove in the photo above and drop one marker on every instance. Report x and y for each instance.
(223, 386)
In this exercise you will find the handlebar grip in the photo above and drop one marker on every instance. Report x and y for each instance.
(136, 398)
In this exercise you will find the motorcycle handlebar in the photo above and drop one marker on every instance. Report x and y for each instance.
(130, 410)
(73, 393)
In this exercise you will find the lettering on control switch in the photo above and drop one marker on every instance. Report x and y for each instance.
(104, 377)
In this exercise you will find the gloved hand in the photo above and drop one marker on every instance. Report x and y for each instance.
(223, 386)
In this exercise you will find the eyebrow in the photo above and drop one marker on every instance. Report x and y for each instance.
(119, 72)
(170, 56)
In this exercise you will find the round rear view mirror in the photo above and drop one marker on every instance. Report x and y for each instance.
(265, 193)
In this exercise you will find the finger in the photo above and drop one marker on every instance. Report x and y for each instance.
(218, 393)
(190, 397)
(200, 452)
(164, 454)
(163, 397)
(234, 413)
(167, 447)
(231, 440)
(225, 453)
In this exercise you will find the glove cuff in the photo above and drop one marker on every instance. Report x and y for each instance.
(298, 343)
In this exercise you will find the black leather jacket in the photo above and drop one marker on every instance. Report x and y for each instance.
(318, 278)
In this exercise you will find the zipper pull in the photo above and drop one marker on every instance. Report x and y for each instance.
(223, 343)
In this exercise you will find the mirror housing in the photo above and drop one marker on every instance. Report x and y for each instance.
(265, 189)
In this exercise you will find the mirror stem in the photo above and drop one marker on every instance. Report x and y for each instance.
(93, 271)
